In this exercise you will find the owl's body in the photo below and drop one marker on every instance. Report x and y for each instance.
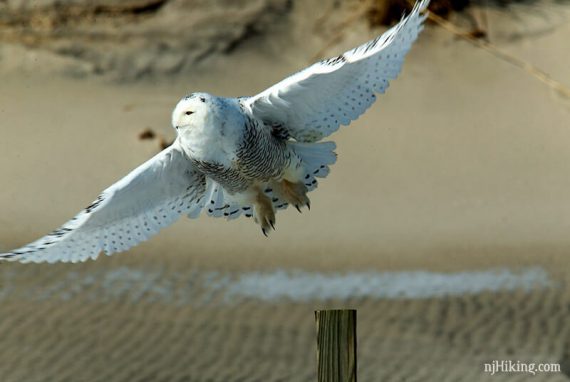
(245, 156)
(231, 146)
(255, 164)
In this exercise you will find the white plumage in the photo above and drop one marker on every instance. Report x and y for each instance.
(233, 157)
(151, 197)
(314, 102)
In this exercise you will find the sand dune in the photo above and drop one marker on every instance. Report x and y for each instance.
(462, 167)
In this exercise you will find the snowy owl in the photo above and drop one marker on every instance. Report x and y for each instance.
(245, 156)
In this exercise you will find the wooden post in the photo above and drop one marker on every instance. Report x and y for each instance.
(336, 345)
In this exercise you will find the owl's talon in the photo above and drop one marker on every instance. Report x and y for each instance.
(264, 213)
(293, 193)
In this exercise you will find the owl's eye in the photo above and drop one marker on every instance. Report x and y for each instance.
(189, 112)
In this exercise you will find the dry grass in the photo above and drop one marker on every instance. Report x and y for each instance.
(388, 12)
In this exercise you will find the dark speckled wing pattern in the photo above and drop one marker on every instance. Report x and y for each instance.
(151, 197)
(313, 103)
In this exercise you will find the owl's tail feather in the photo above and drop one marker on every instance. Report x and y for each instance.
(315, 160)
(219, 203)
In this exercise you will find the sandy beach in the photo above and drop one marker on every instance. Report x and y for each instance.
(444, 221)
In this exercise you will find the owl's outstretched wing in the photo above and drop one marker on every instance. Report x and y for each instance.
(313, 103)
(151, 197)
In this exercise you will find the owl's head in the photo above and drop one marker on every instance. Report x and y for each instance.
(191, 110)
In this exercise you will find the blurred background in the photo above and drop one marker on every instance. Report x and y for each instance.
(445, 221)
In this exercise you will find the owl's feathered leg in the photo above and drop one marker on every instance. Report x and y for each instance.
(263, 211)
(294, 193)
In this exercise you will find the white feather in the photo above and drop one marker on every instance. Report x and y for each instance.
(151, 197)
(313, 103)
